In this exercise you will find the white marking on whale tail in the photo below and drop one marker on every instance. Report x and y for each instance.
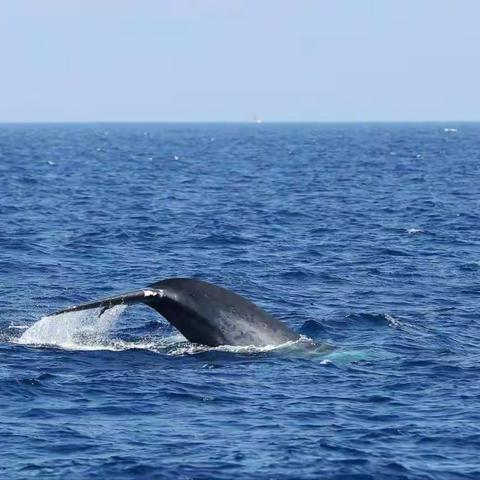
(153, 293)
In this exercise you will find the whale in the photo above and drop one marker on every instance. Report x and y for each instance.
(203, 313)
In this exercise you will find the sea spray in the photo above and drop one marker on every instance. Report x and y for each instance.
(72, 330)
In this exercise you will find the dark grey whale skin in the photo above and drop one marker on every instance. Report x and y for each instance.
(204, 313)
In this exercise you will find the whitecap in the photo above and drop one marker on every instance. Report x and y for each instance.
(326, 361)
(392, 321)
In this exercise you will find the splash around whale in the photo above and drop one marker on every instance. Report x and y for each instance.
(203, 313)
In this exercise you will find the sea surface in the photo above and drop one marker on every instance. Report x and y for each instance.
(363, 237)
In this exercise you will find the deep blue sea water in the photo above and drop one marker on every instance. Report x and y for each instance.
(364, 237)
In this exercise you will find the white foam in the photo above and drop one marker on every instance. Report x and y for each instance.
(192, 349)
(413, 231)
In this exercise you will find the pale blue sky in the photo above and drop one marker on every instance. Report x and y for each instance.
(216, 60)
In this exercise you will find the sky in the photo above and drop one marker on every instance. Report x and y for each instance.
(228, 60)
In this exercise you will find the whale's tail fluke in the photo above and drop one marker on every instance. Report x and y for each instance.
(204, 313)
(128, 298)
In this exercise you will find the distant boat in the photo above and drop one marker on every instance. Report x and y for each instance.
(450, 130)
(257, 119)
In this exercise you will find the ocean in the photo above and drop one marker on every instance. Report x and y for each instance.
(362, 237)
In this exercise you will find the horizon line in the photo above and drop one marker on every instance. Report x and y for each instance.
(246, 122)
